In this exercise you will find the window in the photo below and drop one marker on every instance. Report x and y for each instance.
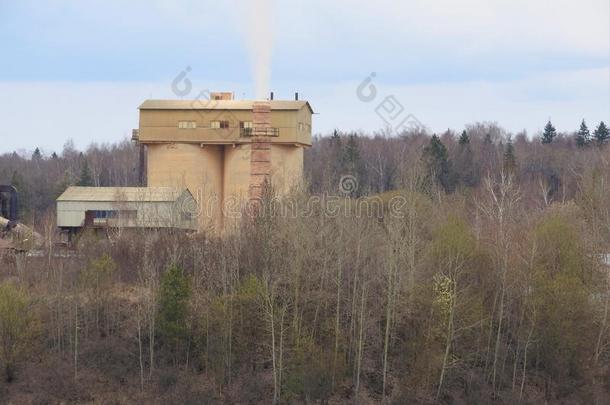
(219, 124)
(301, 126)
(245, 124)
(187, 124)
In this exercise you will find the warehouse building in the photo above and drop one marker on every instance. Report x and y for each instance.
(126, 207)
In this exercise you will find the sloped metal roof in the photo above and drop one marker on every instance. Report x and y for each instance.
(221, 104)
(122, 194)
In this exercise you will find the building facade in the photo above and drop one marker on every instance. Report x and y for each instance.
(126, 207)
(223, 150)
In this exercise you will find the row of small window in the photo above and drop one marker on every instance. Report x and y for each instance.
(106, 214)
(213, 124)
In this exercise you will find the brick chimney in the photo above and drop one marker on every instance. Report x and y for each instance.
(260, 156)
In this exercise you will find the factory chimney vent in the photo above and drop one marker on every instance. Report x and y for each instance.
(271, 96)
(296, 96)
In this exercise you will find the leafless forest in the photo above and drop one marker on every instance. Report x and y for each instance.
(488, 283)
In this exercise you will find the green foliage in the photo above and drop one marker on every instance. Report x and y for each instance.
(98, 274)
(549, 133)
(453, 241)
(174, 295)
(509, 161)
(16, 327)
(37, 155)
(583, 137)
(436, 162)
(601, 133)
(18, 181)
(86, 178)
(309, 372)
(464, 139)
(351, 160)
(564, 326)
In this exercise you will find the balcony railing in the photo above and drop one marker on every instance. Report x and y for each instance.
(259, 131)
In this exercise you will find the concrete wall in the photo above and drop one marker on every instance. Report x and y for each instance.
(199, 169)
(164, 214)
(162, 126)
(286, 167)
(218, 165)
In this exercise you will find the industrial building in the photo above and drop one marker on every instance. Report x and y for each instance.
(126, 207)
(223, 150)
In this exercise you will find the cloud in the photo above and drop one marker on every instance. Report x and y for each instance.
(81, 68)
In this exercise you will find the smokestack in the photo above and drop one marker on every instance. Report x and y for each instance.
(296, 96)
(271, 96)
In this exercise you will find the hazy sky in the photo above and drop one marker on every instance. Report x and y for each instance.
(79, 69)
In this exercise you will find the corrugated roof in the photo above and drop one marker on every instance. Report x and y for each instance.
(220, 104)
(122, 194)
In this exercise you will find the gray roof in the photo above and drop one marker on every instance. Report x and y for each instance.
(122, 194)
(220, 104)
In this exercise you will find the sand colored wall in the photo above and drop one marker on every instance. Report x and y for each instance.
(236, 179)
(162, 126)
(200, 169)
(286, 167)
(223, 168)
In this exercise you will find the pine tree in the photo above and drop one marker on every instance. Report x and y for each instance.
(488, 139)
(601, 133)
(464, 139)
(435, 158)
(37, 155)
(18, 181)
(86, 178)
(351, 154)
(510, 162)
(174, 295)
(549, 133)
(54, 156)
(583, 135)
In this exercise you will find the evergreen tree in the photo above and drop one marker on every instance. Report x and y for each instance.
(54, 156)
(464, 139)
(351, 154)
(18, 181)
(465, 165)
(86, 178)
(583, 135)
(510, 162)
(601, 133)
(37, 155)
(174, 295)
(549, 133)
(61, 186)
(488, 139)
(437, 164)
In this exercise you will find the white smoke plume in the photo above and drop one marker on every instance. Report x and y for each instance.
(258, 31)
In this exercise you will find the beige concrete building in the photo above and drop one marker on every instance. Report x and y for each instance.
(222, 150)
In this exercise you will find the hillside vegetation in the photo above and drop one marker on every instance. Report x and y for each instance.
(460, 268)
